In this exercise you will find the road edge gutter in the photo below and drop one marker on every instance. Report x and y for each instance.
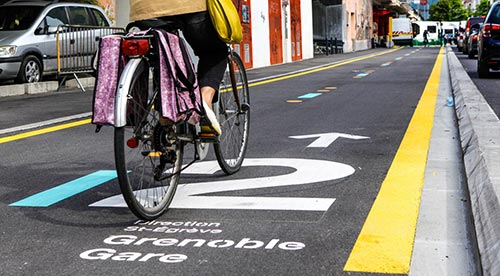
(479, 129)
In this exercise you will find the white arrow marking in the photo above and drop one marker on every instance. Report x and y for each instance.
(326, 139)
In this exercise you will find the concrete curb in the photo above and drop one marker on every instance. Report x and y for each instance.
(479, 129)
(42, 87)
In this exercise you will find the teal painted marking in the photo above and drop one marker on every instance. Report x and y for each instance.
(310, 95)
(362, 75)
(66, 190)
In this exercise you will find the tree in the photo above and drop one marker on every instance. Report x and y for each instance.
(448, 10)
(482, 8)
(93, 2)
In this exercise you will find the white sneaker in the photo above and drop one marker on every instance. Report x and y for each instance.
(210, 116)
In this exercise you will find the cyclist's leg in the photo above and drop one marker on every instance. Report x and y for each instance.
(208, 93)
(212, 52)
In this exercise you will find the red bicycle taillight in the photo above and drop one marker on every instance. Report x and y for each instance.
(133, 142)
(135, 47)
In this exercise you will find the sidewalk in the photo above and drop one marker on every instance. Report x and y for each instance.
(43, 87)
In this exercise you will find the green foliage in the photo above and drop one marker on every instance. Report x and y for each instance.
(482, 8)
(93, 2)
(448, 10)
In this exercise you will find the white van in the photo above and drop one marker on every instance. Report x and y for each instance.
(432, 28)
(402, 31)
(450, 30)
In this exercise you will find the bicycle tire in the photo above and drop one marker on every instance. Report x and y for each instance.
(145, 153)
(234, 120)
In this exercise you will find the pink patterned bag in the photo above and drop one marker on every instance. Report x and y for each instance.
(180, 94)
(109, 67)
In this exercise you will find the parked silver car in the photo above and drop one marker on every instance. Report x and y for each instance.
(28, 35)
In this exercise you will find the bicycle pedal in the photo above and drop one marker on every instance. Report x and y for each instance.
(208, 137)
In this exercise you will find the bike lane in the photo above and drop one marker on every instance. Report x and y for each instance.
(271, 237)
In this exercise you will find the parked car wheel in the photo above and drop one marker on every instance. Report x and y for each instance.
(483, 71)
(31, 70)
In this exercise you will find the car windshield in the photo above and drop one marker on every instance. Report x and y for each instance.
(495, 15)
(16, 18)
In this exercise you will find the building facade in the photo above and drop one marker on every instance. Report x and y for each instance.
(385, 9)
(282, 31)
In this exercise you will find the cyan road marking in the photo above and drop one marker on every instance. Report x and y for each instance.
(310, 95)
(66, 190)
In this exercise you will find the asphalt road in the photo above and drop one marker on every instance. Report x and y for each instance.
(323, 193)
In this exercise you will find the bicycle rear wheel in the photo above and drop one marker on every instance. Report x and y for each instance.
(148, 157)
(233, 112)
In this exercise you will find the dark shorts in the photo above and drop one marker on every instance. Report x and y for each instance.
(212, 52)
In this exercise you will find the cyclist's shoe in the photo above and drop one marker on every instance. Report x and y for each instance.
(209, 123)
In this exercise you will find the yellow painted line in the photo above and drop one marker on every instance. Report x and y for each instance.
(322, 68)
(64, 126)
(294, 101)
(385, 243)
(323, 90)
(43, 131)
(331, 87)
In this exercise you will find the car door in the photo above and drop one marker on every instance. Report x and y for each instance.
(86, 37)
(46, 33)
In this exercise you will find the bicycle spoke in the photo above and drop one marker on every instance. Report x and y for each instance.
(143, 154)
(234, 116)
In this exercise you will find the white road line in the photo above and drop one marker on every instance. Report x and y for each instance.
(44, 123)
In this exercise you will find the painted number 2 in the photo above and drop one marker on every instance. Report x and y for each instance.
(307, 171)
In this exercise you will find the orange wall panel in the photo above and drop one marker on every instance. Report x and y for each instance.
(296, 29)
(244, 49)
(275, 32)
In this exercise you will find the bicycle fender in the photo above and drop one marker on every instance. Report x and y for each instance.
(123, 90)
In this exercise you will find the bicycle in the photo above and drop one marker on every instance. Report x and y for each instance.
(148, 156)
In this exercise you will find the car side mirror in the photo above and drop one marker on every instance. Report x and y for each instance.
(51, 30)
(40, 31)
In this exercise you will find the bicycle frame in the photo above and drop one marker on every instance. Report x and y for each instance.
(149, 152)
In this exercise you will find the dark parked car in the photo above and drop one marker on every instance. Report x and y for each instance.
(488, 56)
(470, 22)
(472, 42)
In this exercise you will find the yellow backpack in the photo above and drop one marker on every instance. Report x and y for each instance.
(226, 20)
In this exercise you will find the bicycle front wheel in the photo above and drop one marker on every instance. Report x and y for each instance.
(233, 111)
(148, 157)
